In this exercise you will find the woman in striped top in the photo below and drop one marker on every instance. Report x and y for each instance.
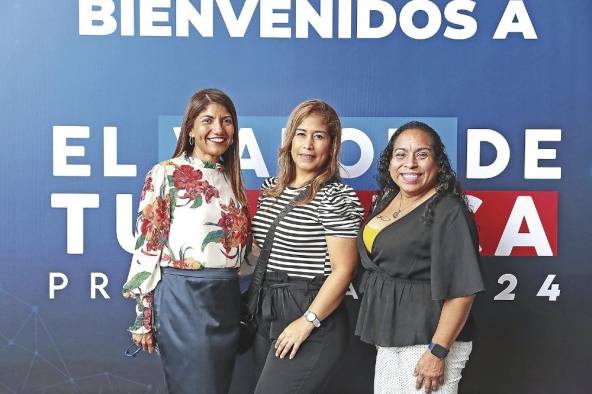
(302, 327)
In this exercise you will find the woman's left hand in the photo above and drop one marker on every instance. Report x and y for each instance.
(429, 372)
(292, 337)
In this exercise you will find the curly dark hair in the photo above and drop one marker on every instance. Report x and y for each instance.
(446, 180)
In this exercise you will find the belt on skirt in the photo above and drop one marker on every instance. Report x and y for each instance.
(275, 282)
(213, 273)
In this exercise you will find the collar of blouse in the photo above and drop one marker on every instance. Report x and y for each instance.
(194, 161)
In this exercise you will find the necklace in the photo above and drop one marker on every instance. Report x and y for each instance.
(396, 213)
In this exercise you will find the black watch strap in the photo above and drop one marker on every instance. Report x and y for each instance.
(439, 351)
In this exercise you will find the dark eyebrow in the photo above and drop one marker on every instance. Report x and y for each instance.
(314, 131)
(422, 148)
(204, 116)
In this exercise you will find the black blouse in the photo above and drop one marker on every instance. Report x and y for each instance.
(412, 268)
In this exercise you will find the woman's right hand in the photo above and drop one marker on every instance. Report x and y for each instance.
(429, 372)
(145, 341)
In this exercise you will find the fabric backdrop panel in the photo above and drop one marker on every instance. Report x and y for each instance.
(91, 97)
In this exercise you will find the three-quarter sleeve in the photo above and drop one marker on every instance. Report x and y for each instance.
(152, 231)
(340, 211)
(455, 270)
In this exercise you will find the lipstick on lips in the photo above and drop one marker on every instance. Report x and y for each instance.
(306, 157)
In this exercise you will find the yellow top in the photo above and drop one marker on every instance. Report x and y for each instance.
(368, 236)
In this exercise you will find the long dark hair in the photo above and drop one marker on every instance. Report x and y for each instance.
(446, 182)
(197, 104)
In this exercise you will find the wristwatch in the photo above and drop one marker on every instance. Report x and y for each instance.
(312, 317)
(439, 351)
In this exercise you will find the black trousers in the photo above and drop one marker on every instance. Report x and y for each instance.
(284, 300)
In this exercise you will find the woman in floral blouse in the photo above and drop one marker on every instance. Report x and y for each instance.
(192, 231)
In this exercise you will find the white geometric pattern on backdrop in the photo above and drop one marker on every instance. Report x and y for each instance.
(26, 340)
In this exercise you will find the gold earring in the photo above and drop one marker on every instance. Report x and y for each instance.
(191, 140)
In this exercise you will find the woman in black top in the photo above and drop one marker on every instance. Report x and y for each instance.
(420, 250)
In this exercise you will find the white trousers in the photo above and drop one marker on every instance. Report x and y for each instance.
(395, 366)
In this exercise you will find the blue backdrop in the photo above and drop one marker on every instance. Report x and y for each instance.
(52, 76)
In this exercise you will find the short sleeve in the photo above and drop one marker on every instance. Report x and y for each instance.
(455, 263)
(269, 182)
(152, 230)
(340, 211)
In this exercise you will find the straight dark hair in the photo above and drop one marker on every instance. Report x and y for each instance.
(231, 160)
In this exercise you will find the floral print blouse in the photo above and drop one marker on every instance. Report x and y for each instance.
(188, 218)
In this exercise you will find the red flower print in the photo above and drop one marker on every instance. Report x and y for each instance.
(188, 263)
(235, 224)
(185, 177)
(210, 192)
(148, 298)
(148, 186)
(190, 180)
(155, 224)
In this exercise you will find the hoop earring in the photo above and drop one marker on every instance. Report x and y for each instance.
(191, 140)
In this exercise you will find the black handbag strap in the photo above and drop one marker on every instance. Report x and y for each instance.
(261, 266)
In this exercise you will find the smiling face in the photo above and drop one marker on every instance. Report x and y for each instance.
(413, 165)
(213, 130)
(310, 147)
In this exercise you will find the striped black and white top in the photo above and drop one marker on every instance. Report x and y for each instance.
(299, 247)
